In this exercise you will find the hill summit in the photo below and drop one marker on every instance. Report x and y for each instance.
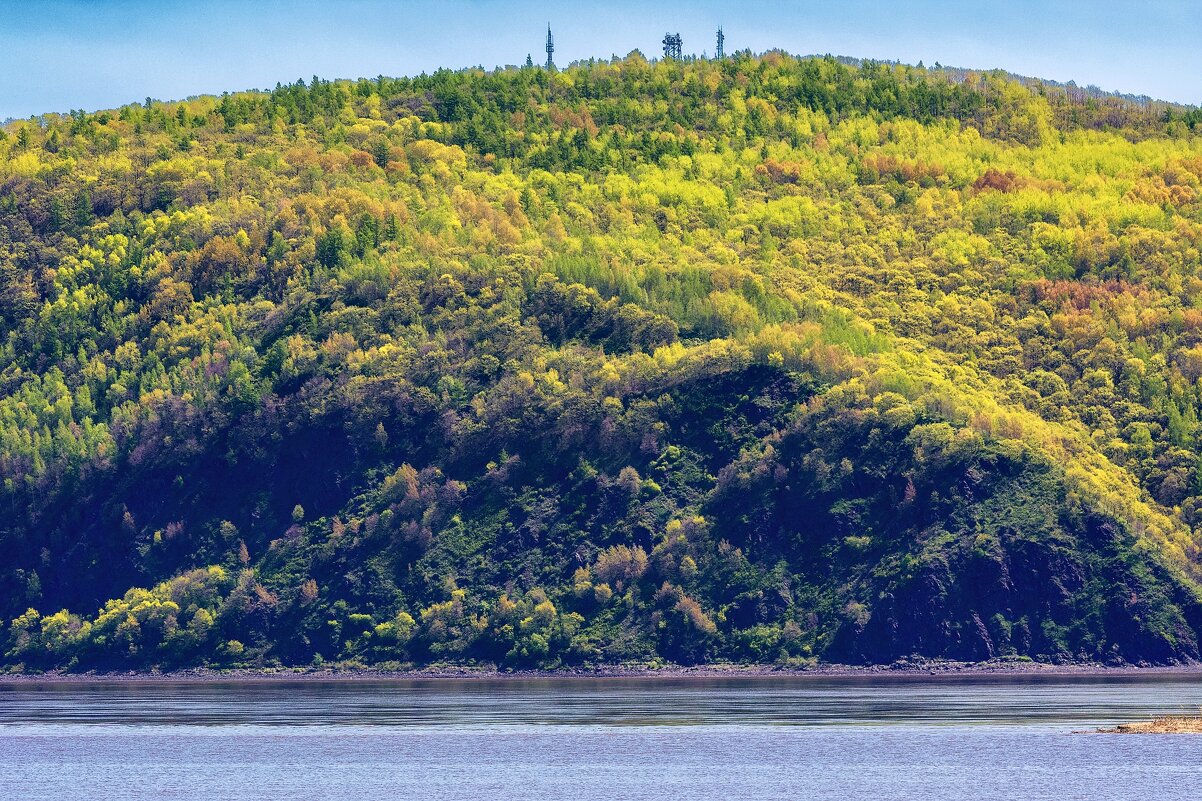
(769, 360)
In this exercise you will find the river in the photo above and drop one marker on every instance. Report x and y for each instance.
(795, 738)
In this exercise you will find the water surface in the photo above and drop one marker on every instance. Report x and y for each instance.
(695, 738)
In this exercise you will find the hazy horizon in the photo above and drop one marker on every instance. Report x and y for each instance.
(93, 54)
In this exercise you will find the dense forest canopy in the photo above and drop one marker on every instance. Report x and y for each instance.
(766, 360)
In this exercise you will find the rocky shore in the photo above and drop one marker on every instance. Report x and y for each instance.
(902, 670)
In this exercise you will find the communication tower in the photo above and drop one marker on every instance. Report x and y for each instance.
(721, 44)
(550, 49)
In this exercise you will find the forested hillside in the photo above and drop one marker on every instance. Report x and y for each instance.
(765, 360)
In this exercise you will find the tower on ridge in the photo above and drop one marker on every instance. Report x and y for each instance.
(550, 48)
(721, 44)
(673, 46)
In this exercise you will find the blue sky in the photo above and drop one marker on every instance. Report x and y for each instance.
(57, 55)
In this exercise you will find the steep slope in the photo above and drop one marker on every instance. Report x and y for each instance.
(766, 360)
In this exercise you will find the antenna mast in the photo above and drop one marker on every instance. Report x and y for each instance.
(721, 44)
(550, 48)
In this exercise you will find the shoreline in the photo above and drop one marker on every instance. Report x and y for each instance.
(919, 670)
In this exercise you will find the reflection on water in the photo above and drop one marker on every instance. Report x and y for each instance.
(707, 738)
(798, 701)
